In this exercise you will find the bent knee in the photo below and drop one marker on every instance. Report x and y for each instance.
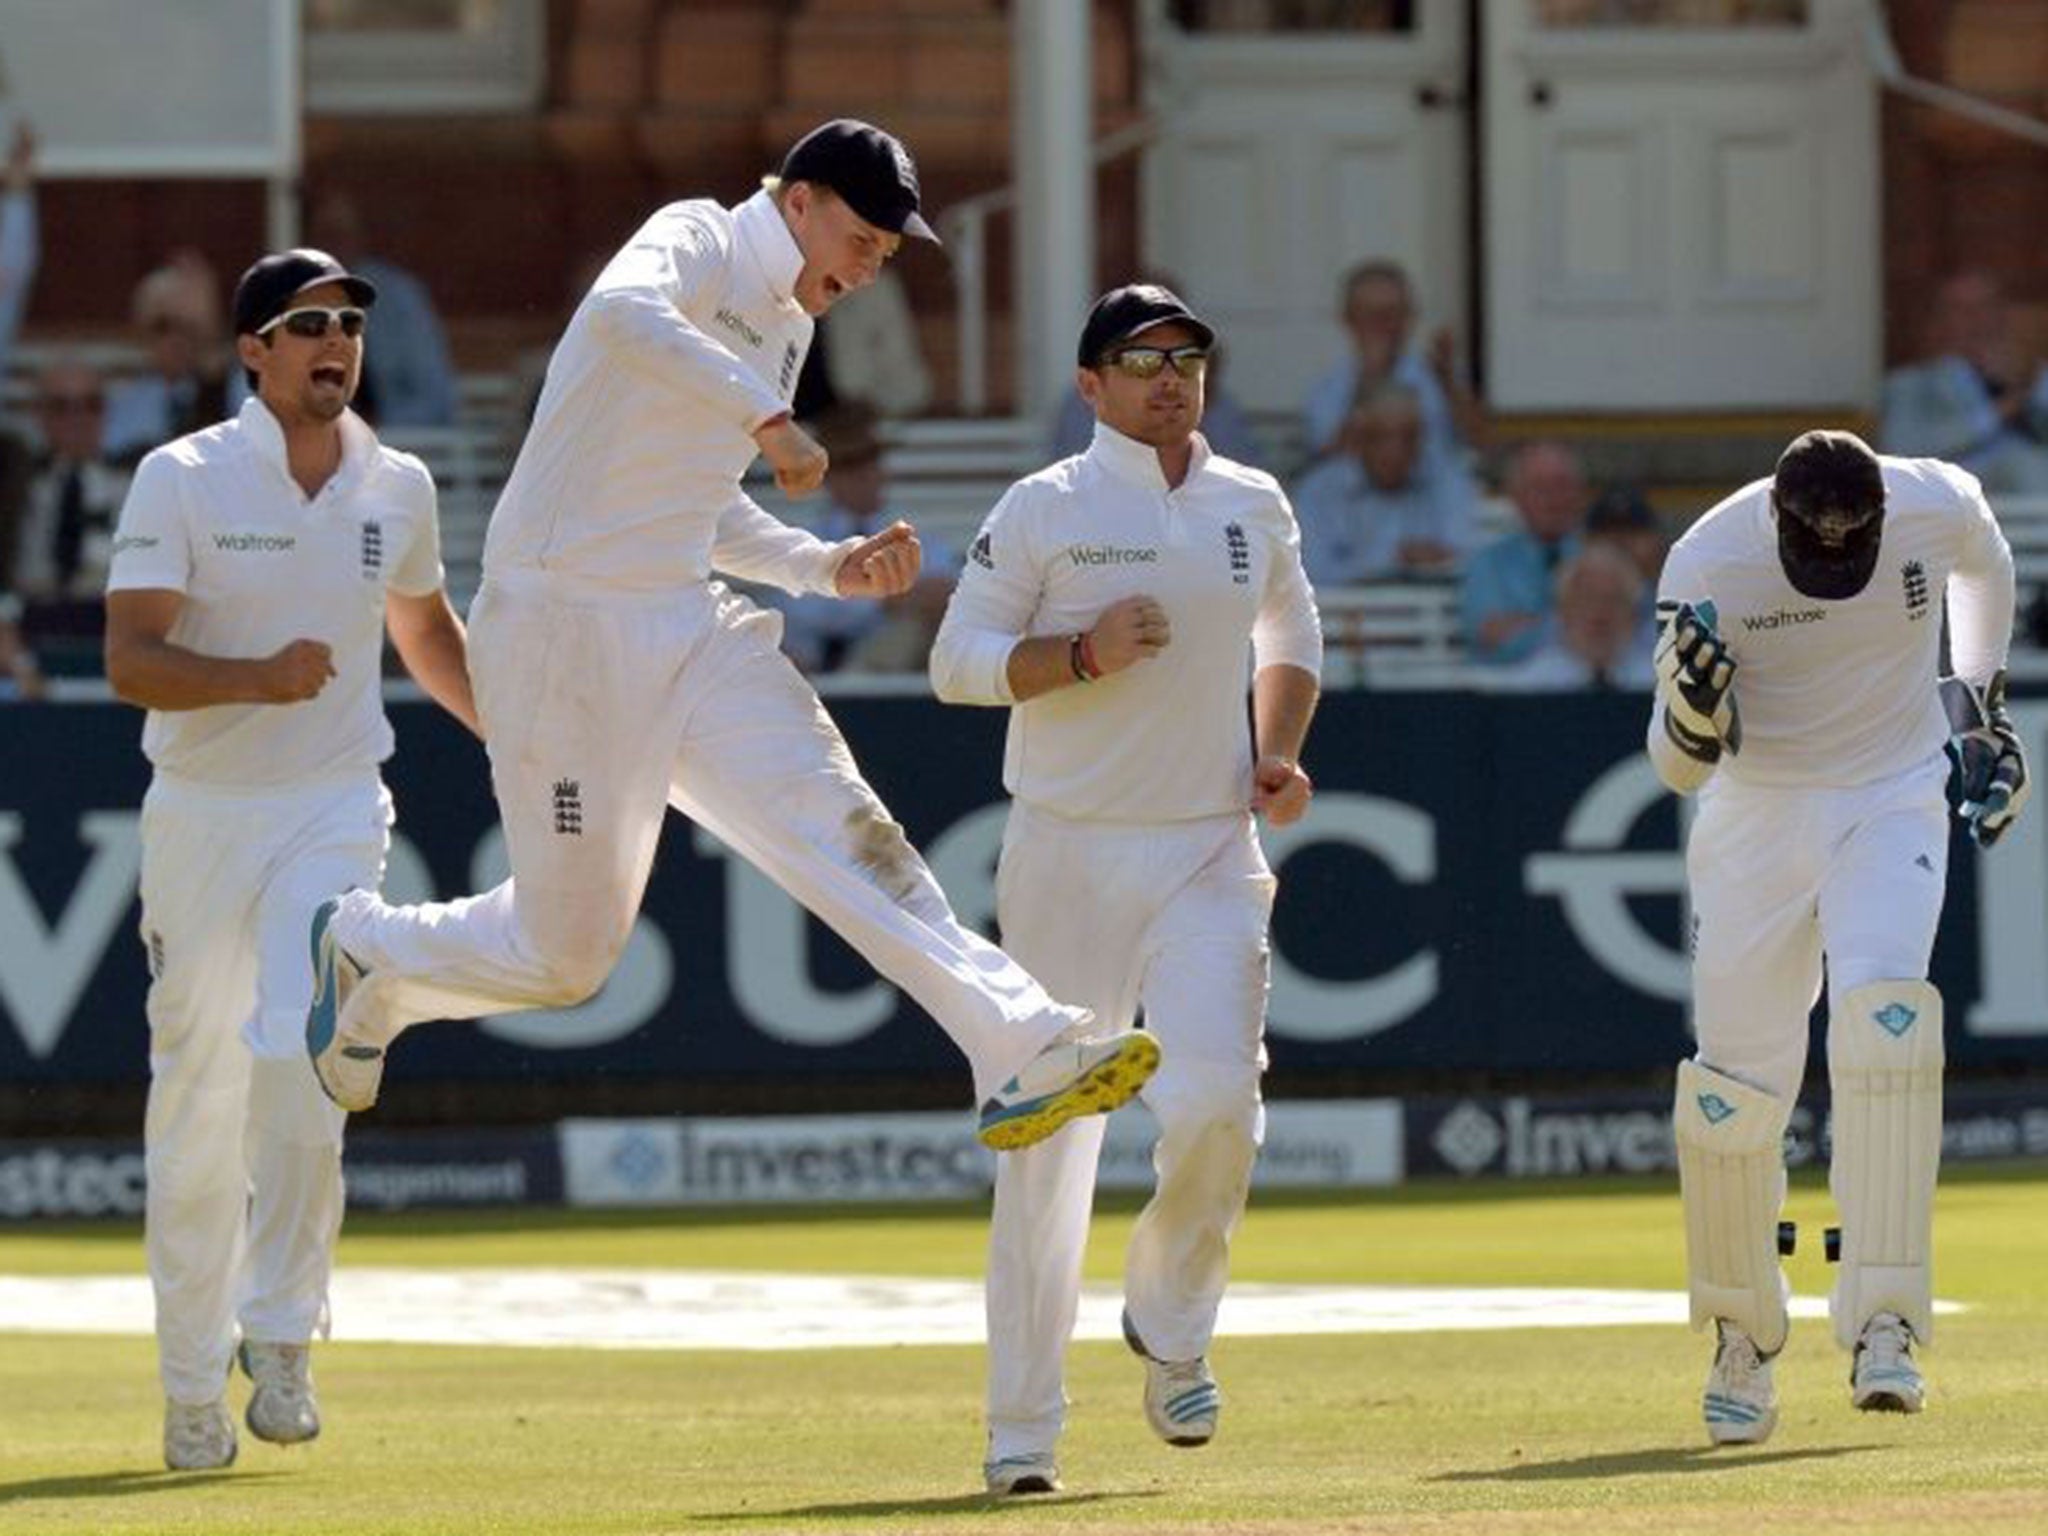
(572, 960)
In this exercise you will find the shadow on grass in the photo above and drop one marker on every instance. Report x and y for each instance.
(106, 1485)
(1690, 1458)
(953, 1504)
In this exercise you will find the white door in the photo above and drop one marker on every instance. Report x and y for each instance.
(1680, 217)
(1286, 157)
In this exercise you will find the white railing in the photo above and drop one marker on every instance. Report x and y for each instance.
(964, 228)
(1885, 64)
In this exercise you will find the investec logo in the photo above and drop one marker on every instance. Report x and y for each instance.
(255, 543)
(1784, 618)
(1110, 554)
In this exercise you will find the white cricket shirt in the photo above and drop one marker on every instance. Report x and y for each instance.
(629, 477)
(1168, 739)
(1843, 693)
(217, 516)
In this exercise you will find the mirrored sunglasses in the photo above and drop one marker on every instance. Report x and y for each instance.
(1189, 362)
(312, 322)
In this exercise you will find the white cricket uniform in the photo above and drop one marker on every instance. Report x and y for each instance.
(614, 677)
(1131, 877)
(255, 814)
(1828, 832)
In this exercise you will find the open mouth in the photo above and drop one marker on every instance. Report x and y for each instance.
(332, 374)
(834, 288)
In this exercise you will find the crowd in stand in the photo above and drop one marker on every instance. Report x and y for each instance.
(1391, 484)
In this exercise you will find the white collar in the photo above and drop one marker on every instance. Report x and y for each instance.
(265, 436)
(765, 234)
(1128, 459)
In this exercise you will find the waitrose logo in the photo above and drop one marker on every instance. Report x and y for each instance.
(255, 543)
(1110, 554)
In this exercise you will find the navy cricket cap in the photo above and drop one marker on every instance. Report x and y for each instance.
(1123, 312)
(269, 286)
(870, 170)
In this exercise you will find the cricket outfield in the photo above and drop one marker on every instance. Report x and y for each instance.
(1473, 1358)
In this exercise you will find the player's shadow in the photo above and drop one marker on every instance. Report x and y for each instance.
(1689, 1458)
(953, 1504)
(106, 1485)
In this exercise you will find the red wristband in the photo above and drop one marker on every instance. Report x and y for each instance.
(1085, 654)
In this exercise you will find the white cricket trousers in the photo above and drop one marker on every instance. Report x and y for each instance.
(1782, 877)
(1170, 920)
(600, 709)
(243, 1150)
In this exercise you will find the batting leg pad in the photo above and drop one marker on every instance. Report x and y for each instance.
(1731, 1173)
(1884, 1061)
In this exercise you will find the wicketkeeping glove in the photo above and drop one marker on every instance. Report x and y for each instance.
(1987, 781)
(1694, 677)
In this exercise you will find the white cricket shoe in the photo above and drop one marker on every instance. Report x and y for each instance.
(1031, 1472)
(1079, 1072)
(1740, 1404)
(349, 1070)
(198, 1437)
(1884, 1378)
(1182, 1400)
(282, 1409)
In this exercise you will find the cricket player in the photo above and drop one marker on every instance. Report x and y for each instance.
(1123, 603)
(1797, 694)
(615, 677)
(256, 569)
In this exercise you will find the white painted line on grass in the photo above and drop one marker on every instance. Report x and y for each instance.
(679, 1309)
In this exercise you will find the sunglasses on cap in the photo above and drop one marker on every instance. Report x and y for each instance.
(1190, 362)
(312, 322)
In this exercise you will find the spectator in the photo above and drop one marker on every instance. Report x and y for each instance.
(177, 312)
(1598, 640)
(1506, 601)
(873, 355)
(408, 380)
(826, 634)
(20, 246)
(1378, 311)
(1981, 401)
(20, 679)
(1621, 517)
(73, 498)
(1368, 511)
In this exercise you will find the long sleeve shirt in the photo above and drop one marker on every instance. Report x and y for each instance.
(1167, 739)
(629, 478)
(20, 251)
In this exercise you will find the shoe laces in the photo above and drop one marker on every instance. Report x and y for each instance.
(1737, 1357)
(1886, 1335)
(280, 1368)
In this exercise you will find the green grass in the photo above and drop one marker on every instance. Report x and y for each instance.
(1541, 1431)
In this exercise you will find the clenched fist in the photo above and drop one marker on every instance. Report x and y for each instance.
(799, 463)
(1128, 631)
(1695, 676)
(297, 672)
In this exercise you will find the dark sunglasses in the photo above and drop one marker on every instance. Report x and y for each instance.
(1189, 362)
(311, 323)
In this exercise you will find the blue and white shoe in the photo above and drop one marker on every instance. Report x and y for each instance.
(1078, 1073)
(349, 1071)
(1740, 1405)
(1182, 1400)
(1031, 1472)
(1884, 1378)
